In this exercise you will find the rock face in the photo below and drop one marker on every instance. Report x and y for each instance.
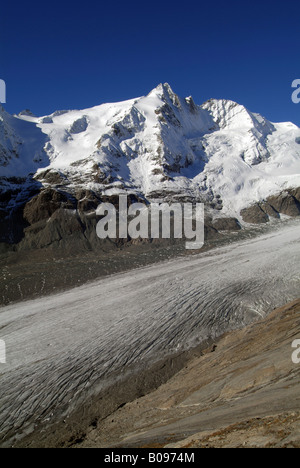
(63, 230)
(296, 194)
(227, 224)
(270, 210)
(285, 203)
(47, 202)
(254, 215)
(55, 218)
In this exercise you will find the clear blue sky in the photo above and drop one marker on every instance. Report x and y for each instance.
(63, 55)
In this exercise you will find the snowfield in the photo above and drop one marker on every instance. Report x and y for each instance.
(64, 349)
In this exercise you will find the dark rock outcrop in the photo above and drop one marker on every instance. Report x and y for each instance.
(87, 200)
(52, 217)
(45, 204)
(63, 230)
(295, 193)
(254, 215)
(227, 224)
(269, 210)
(286, 203)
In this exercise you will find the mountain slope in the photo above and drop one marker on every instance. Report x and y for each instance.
(241, 392)
(159, 146)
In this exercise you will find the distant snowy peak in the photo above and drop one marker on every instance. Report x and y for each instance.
(158, 146)
(26, 113)
(233, 116)
(9, 141)
(22, 146)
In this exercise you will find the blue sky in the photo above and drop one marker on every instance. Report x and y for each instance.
(63, 55)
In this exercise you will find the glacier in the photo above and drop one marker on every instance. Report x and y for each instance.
(65, 350)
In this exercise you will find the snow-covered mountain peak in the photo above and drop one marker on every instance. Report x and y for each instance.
(156, 146)
(162, 90)
(26, 113)
(165, 94)
(228, 114)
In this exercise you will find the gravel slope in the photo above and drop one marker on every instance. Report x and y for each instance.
(242, 392)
